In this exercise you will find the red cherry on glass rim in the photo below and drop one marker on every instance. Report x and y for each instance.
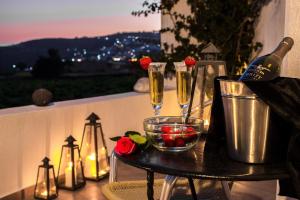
(145, 62)
(190, 61)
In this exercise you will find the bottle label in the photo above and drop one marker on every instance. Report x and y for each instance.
(262, 69)
(257, 72)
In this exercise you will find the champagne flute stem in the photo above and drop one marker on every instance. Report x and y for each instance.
(184, 111)
(156, 110)
(195, 74)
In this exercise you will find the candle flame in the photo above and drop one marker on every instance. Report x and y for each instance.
(206, 122)
(70, 165)
(92, 156)
(45, 193)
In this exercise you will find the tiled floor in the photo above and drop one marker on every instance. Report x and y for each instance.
(92, 191)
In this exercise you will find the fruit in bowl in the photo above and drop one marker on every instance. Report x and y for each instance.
(170, 133)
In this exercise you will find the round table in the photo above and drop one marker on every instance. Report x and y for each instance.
(207, 160)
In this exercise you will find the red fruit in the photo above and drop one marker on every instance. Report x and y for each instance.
(189, 129)
(169, 143)
(168, 140)
(166, 129)
(179, 142)
(175, 132)
(190, 61)
(145, 62)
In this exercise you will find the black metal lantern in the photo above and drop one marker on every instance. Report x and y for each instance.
(45, 187)
(70, 171)
(93, 150)
(209, 67)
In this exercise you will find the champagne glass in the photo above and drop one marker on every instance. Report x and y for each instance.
(156, 79)
(184, 85)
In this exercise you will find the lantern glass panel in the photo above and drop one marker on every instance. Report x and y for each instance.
(93, 152)
(66, 166)
(43, 191)
(88, 152)
(78, 167)
(102, 154)
(208, 70)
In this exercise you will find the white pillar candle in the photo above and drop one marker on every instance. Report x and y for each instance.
(68, 175)
(90, 165)
(206, 124)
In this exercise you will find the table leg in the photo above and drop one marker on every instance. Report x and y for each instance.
(113, 168)
(192, 187)
(150, 180)
(168, 186)
(226, 190)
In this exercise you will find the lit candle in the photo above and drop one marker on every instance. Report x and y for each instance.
(102, 172)
(90, 165)
(206, 124)
(68, 175)
(44, 194)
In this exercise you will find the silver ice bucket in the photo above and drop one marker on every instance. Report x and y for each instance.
(247, 120)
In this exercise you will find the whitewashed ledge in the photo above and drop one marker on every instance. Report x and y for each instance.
(29, 133)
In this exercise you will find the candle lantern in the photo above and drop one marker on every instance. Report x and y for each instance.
(209, 67)
(93, 150)
(70, 171)
(45, 187)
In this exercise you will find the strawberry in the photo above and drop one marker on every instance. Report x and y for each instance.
(175, 132)
(190, 61)
(189, 129)
(168, 140)
(145, 62)
(166, 129)
(169, 143)
(179, 142)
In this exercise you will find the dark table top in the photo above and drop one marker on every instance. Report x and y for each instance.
(206, 161)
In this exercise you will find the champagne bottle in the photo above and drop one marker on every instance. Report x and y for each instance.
(267, 67)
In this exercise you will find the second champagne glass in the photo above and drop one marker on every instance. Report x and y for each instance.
(184, 85)
(156, 81)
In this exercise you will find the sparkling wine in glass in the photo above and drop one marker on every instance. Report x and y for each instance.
(184, 85)
(156, 79)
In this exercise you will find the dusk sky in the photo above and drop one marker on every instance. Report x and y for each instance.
(22, 20)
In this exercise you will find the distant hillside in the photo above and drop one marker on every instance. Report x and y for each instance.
(104, 48)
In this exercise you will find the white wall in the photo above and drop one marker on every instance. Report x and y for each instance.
(29, 133)
(278, 19)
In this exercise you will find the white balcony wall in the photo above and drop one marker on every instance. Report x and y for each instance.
(278, 19)
(29, 133)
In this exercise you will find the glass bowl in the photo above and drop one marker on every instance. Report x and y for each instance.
(170, 133)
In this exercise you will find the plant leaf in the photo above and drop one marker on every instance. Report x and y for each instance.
(128, 133)
(138, 139)
(115, 138)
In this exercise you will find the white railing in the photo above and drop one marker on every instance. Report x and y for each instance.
(29, 133)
